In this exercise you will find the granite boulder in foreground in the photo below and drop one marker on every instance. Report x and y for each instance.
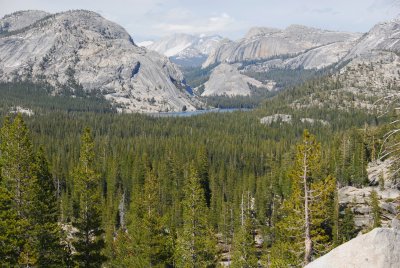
(379, 248)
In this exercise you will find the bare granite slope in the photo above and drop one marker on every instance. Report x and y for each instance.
(379, 248)
(80, 49)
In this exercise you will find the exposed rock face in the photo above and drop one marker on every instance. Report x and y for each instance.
(226, 80)
(262, 43)
(186, 49)
(365, 84)
(379, 248)
(20, 20)
(384, 36)
(82, 49)
(358, 199)
(287, 118)
(284, 118)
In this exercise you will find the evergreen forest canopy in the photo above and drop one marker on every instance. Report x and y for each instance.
(90, 187)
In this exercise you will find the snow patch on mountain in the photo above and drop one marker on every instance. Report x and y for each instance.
(186, 46)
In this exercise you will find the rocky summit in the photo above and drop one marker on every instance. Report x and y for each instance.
(80, 50)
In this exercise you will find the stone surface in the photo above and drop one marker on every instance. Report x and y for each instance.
(262, 43)
(21, 19)
(358, 199)
(384, 36)
(379, 248)
(284, 118)
(226, 80)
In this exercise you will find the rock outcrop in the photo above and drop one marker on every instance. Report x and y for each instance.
(379, 248)
(263, 43)
(80, 50)
(384, 36)
(358, 199)
(226, 80)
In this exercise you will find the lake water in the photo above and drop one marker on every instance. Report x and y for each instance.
(197, 112)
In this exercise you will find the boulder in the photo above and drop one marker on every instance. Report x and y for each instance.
(379, 248)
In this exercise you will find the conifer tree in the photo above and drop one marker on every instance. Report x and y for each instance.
(158, 238)
(202, 168)
(10, 230)
(89, 241)
(150, 241)
(244, 251)
(17, 175)
(347, 229)
(306, 216)
(47, 230)
(196, 245)
(376, 210)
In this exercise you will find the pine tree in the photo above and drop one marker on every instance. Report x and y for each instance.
(158, 239)
(16, 161)
(381, 181)
(376, 210)
(244, 251)
(336, 220)
(47, 230)
(89, 241)
(147, 242)
(196, 245)
(202, 168)
(347, 229)
(304, 229)
(10, 230)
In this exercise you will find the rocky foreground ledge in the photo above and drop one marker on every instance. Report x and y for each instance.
(379, 248)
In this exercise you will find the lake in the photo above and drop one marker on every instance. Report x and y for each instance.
(197, 112)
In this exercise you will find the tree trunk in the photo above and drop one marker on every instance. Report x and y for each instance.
(307, 238)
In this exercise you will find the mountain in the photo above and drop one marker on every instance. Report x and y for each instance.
(81, 51)
(186, 49)
(297, 52)
(263, 43)
(384, 36)
(379, 248)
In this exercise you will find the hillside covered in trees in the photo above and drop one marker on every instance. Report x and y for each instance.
(93, 189)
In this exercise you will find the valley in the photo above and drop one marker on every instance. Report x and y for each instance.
(276, 149)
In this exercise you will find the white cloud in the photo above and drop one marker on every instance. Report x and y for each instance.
(207, 25)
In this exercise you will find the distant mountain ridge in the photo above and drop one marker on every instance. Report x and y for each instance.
(80, 50)
(304, 48)
(185, 49)
(262, 43)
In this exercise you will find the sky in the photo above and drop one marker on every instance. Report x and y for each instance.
(152, 19)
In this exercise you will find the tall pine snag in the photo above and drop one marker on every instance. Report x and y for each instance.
(196, 244)
(89, 237)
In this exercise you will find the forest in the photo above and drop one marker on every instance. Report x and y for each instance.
(87, 187)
